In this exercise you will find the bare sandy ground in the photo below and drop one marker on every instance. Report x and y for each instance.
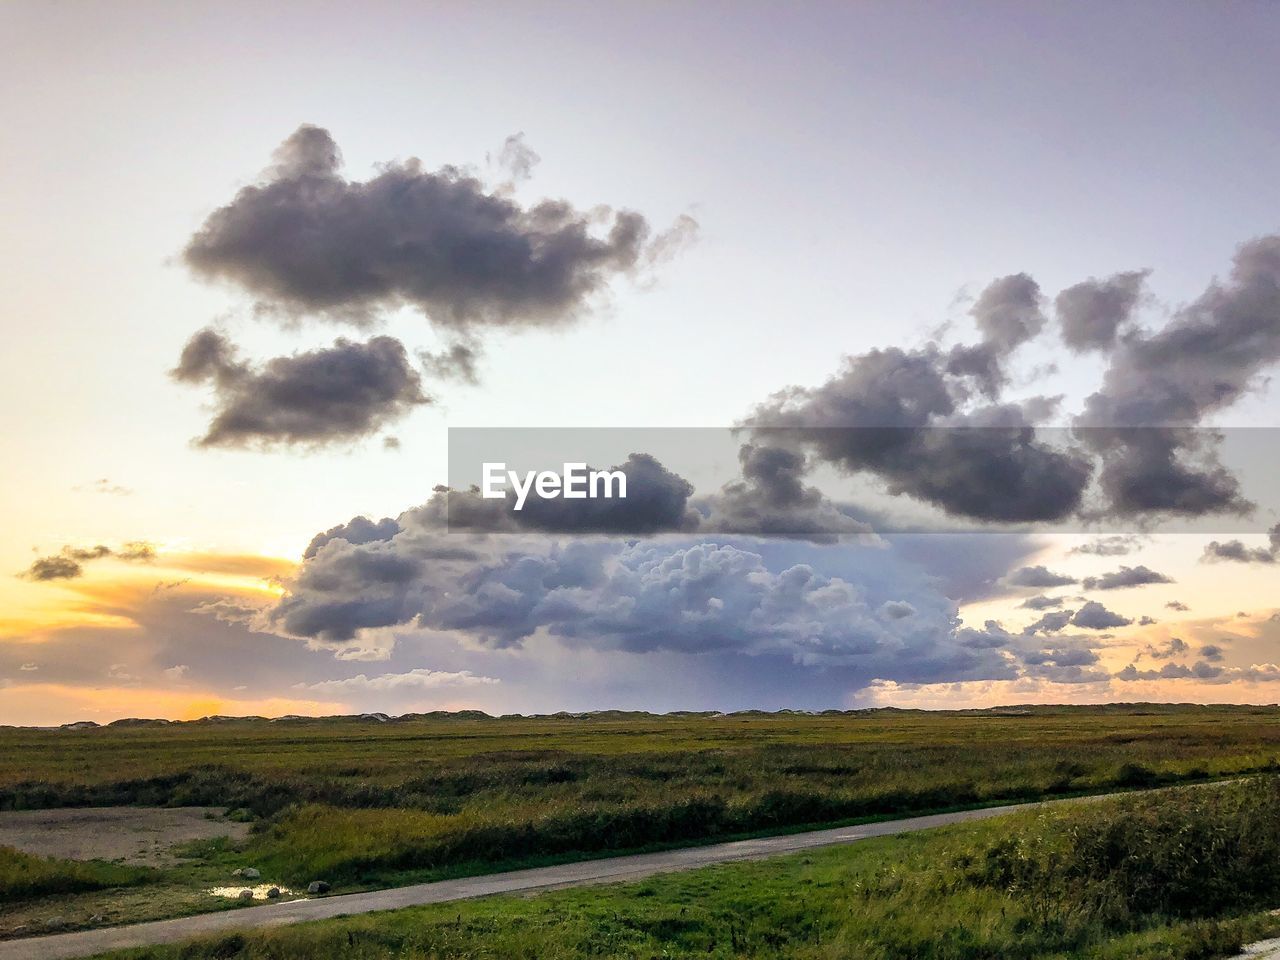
(143, 836)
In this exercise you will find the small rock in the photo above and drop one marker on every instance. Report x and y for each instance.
(251, 873)
(245, 894)
(55, 923)
(97, 918)
(317, 886)
(238, 872)
(273, 893)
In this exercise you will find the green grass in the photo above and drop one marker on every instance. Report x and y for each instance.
(1174, 875)
(357, 801)
(364, 804)
(23, 876)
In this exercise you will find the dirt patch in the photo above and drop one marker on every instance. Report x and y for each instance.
(143, 836)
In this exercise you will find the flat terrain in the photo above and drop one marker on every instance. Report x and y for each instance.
(364, 804)
(138, 836)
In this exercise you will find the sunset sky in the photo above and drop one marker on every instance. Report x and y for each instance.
(261, 259)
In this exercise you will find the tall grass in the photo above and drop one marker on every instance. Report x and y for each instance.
(23, 876)
(1179, 875)
(354, 801)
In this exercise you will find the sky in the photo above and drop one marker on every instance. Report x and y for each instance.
(261, 262)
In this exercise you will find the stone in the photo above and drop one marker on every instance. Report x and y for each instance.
(251, 873)
(245, 895)
(55, 923)
(317, 886)
(273, 893)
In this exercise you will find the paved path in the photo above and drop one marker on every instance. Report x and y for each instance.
(88, 942)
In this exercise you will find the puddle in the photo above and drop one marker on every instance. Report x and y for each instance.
(259, 891)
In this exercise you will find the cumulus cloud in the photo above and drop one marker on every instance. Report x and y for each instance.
(1235, 550)
(1008, 314)
(1177, 605)
(1092, 313)
(1116, 545)
(1212, 653)
(671, 595)
(1037, 576)
(892, 413)
(1145, 420)
(459, 362)
(1042, 602)
(306, 240)
(772, 498)
(333, 394)
(1200, 670)
(1051, 622)
(1094, 616)
(1173, 647)
(1125, 577)
(68, 563)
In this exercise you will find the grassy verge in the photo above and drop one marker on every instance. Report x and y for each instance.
(23, 876)
(1176, 875)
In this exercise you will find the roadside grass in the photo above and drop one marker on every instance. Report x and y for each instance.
(1176, 875)
(23, 876)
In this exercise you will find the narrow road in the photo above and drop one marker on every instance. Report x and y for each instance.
(86, 943)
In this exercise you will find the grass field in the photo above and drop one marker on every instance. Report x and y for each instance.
(364, 803)
(1175, 875)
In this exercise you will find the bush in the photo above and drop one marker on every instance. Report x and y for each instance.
(1188, 855)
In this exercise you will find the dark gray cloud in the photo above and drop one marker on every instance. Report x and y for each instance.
(1051, 622)
(458, 362)
(1008, 314)
(1235, 550)
(1037, 576)
(891, 413)
(772, 499)
(1138, 576)
(1094, 616)
(1212, 653)
(657, 501)
(330, 395)
(1177, 605)
(1008, 311)
(306, 240)
(54, 568)
(1116, 545)
(1092, 313)
(1200, 670)
(1062, 656)
(1173, 647)
(69, 562)
(1145, 420)
(1042, 602)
